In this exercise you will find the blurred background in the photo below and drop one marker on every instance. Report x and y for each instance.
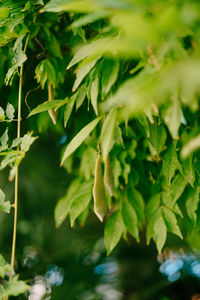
(71, 264)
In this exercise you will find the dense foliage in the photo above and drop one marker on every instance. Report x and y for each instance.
(120, 82)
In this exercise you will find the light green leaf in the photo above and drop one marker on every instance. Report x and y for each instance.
(192, 204)
(26, 141)
(83, 70)
(94, 94)
(170, 221)
(89, 18)
(191, 146)
(15, 287)
(93, 50)
(47, 105)
(113, 231)
(160, 233)
(2, 113)
(81, 94)
(117, 171)
(118, 136)
(170, 162)
(68, 109)
(81, 199)
(4, 139)
(4, 206)
(130, 219)
(63, 206)
(172, 118)
(79, 6)
(109, 75)
(4, 12)
(107, 133)
(10, 111)
(45, 72)
(19, 57)
(79, 138)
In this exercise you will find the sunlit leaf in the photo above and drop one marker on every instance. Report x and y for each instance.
(79, 138)
(45, 106)
(113, 231)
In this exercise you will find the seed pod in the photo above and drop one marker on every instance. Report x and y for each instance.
(108, 175)
(53, 114)
(99, 191)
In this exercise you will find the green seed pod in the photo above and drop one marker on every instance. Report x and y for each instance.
(108, 175)
(99, 191)
(53, 114)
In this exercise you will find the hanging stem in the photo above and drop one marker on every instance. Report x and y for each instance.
(15, 206)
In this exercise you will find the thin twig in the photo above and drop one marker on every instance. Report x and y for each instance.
(17, 168)
(31, 90)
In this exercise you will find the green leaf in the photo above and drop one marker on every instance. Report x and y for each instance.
(15, 287)
(170, 162)
(177, 187)
(113, 231)
(4, 206)
(153, 205)
(88, 161)
(45, 73)
(80, 200)
(63, 206)
(109, 75)
(2, 259)
(130, 219)
(158, 137)
(68, 109)
(47, 105)
(10, 111)
(83, 70)
(107, 133)
(172, 118)
(188, 170)
(152, 218)
(192, 202)
(171, 221)
(137, 202)
(160, 233)
(79, 138)
(94, 94)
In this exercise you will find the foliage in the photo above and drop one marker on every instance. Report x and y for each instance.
(126, 74)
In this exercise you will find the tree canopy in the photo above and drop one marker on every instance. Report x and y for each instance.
(118, 81)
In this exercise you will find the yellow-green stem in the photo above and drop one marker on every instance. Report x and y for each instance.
(17, 169)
